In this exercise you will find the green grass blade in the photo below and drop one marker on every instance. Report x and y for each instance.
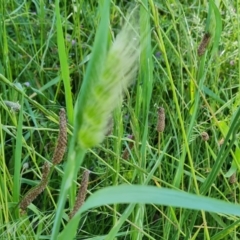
(146, 77)
(216, 26)
(226, 231)
(76, 155)
(224, 152)
(130, 208)
(148, 195)
(64, 64)
(18, 155)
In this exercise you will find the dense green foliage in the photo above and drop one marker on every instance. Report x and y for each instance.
(49, 49)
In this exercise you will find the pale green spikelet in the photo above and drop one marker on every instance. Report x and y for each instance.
(118, 71)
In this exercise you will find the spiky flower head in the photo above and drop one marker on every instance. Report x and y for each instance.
(115, 74)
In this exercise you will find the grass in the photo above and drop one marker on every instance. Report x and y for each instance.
(143, 184)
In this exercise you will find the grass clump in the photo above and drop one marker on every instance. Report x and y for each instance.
(109, 64)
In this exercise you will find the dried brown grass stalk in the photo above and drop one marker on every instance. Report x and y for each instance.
(161, 119)
(34, 192)
(81, 193)
(204, 43)
(62, 138)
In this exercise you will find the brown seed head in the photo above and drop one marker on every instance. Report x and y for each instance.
(45, 172)
(81, 193)
(233, 178)
(161, 119)
(34, 192)
(125, 154)
(62, 138)
(204, 43)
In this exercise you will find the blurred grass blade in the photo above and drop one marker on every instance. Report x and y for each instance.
(144, 97)
(148, 195)
(106, 79)
(215, 25)
(76, 155)
(226, 231)
(64, 64)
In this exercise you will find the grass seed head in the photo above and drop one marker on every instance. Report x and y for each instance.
(62, 138)
(204, 43)
(161, 119)
(81, 193)
(205, 136)
(34, 192)
(233, 178)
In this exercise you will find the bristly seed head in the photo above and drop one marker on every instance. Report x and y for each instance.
(204, 43)
(62, 138)
(81, 193)
(34, 192)
(111, 79)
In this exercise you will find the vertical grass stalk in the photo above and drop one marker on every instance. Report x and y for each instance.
(18, 156)
(108, 74)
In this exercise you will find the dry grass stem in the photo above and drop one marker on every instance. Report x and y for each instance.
(62, 138)
(81, 193)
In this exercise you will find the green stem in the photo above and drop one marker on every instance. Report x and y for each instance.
(75, 158)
